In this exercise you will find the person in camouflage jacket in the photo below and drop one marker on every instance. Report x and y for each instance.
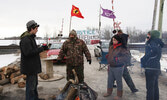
(73, 49)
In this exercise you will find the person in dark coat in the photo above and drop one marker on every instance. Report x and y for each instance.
(122, 35)
(117, 59)
(126, 74)
(151, 62)
(30, 59)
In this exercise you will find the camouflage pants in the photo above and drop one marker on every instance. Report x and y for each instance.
(128, 79)
(79, 70)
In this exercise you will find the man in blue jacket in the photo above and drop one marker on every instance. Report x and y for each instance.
(151, 62)
(30, 59)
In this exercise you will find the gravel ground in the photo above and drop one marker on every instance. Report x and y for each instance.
(96, 79)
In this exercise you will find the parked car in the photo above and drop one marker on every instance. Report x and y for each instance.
(54, 51)
(103, 46)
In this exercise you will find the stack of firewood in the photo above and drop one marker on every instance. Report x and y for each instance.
(11, 74)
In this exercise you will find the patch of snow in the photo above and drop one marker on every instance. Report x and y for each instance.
(138, 55)
(7, 59)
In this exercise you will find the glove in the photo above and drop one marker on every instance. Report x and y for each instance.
(45, 47)
(90, 61)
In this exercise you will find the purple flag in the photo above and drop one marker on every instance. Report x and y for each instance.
(108, 13)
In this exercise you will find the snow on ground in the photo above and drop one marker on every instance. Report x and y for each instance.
(7, 59)
(137, 55)
(8, 42)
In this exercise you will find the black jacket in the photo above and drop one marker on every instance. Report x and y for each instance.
(30, 59)
(151, 59)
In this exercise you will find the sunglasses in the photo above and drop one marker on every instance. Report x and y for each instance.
(147, 37)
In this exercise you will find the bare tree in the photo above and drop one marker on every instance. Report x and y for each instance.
(135, 35)
(107, 33)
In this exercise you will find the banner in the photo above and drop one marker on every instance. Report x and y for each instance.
(108, 13)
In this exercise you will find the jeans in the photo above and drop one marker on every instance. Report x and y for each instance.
(115, 73)
(128, 79)
(152, 84)
(31, 87)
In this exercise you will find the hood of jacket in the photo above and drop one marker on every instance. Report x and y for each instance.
(25, 34)
(154, 34)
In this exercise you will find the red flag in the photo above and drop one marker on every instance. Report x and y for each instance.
(76, 12)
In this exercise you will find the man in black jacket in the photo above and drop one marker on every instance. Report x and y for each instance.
(30, 59)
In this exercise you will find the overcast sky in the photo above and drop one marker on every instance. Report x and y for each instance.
(14, 14)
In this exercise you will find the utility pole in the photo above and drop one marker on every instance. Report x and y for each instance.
(154, 14)
(161, 7)
(61, 32)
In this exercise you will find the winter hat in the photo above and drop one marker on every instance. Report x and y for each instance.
(32, 23)
(114, 31)
(73, 32)
(154, 34)
(118, 38)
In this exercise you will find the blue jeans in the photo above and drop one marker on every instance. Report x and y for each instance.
(152, 84)
(31, 87)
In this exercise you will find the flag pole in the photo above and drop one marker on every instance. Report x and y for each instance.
(113, 11)
(100, 23)
(70, 24)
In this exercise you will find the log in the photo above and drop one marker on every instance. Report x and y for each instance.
(76, 77)
(8, 70)
(21, 83)
(1, 89)
(2, 76)
(44, 76)
(72, 91)
(15, 80)
(15, 74)
(2, 69)
(4, 81)
(66, 87)
(16, 68)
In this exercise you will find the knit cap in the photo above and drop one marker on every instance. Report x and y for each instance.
(154, 34)
(118, 38)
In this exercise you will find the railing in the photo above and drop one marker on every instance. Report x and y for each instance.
(131, 46)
